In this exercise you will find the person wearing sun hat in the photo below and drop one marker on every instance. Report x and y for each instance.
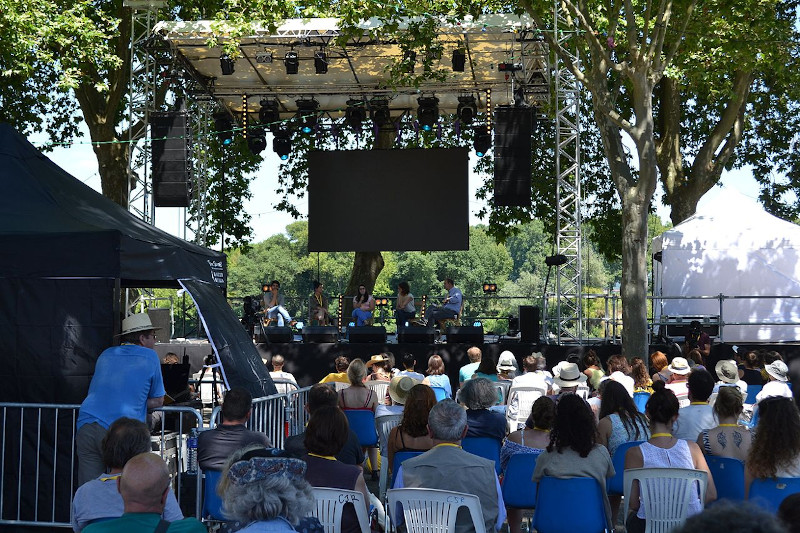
(728, 373)
(679, 367)
(568, 378)
(778, 381)
(127, 382)
(377, 363)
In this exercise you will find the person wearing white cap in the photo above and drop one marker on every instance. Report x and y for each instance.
(679, 367)
(507, 367)
(127, 382)
(778, 381)
(568, 378)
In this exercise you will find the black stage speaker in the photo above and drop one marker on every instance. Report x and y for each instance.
(366, 334)
(278, 334)
(172, 170)
(419, 334)
(512, 155)
(465, 334)
(529, 324)
(320, 334)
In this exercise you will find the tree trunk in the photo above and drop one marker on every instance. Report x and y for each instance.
(112, 159)
(633, 289)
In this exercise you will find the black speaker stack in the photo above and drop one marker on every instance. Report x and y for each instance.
(275, 334)
(320, 334)
(172, 169)
(513, 127)
(465, 335)
(366, 334)
(417, 334)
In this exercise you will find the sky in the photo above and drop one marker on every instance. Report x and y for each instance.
(79, 160)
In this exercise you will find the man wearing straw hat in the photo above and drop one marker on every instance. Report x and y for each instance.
(127, 382)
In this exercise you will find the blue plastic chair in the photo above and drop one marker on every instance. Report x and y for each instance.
(399, 457)
(752, 391)
(769, 493)
(557, 511)
(362, 422)
(614, 484)
(440, 393)
(485, 447)
(640, 399)
(212, 503)
(728, 474)
(519, 490)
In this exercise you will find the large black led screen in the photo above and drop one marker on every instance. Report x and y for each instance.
(380, 200)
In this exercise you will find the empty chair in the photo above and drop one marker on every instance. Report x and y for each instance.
(665, 494)
(769, 493)
(519, 405)
(384, 424)
(614, 484)
(399, 457)
(212, 503)
(519, 489)
(640, 399)
(432, 510)
(728, 474)
(330, 504)
(486, 447)
(440, 392)
(557, 511)
(752, 392)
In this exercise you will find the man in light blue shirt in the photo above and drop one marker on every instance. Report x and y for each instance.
(451, 306)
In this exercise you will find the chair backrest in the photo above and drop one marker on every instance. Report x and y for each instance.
(486, 447)
(362, 422)
(640, 399)
(502, 391)
(379, 387)
(728, 474)
(520, 401)
(665, 494)
(555, 506)
(338, 385)
(769, 493)
(429, 510)
(519, 490)
(440, 393)
(614, 484)
(384, 425)
(399, 457)
(212, 503)
(583, 391)
(284, 385)
(330, 505)
(752, 392)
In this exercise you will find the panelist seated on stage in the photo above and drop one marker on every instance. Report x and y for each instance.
(405, 309)
(318, 307)
(363, 306)
(450, 308)
(274, 306)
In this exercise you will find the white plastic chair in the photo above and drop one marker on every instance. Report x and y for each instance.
(384, 425)
(502, 391)
(433, 510)
(665, 494)
(330, 504)
(379, 387)
(520, 403)
(583, 391)
(339, 385)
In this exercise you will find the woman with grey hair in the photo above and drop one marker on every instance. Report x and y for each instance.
(478, 395)
(266, 492)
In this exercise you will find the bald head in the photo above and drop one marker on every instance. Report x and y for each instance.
(144, 484)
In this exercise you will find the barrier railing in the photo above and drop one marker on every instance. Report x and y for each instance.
(297, 415)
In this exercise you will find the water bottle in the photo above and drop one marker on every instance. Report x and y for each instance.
(191, 452)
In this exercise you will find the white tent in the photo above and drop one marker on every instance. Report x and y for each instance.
(734, 248)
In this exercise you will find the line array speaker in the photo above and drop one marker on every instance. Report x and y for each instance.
(529, 323)
(320, 334)
(513, 127)
(416, 334)
(172, 170)
(465, 334)
(366, 334)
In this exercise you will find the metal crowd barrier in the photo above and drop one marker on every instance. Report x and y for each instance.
(296, 412)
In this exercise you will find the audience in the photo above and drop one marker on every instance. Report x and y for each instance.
(436, 375)
(642, 382)
(478, 395)
(380, 370)
(486, 369)
(775, 451)
(778, 384)
(507, 368)
(728, 375)
(677, 383)
(698, 415)
(660, 366)
(411, 435)
(750, 373)
(466, 371)
(568, 378)
(592, 368)
(620, 371)
(728, 439)
(341, 364)
(408, 367)
(358, 396)
(789, 513)
(277, 363)
(734, 517)
(536, 374)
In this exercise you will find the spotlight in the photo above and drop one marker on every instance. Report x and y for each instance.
(428, 112)
(264, 57)
(459, 60)
(269, 114)
(467, 109)
(321, 62)
(489, 288)
(555, 260)
(226, 64)
(381, 302)
(379, 111)
(265, 287)
(477, 324)
(509, 67)
(482, 142)
(224, 127)
(257, 140)
(291, 61)
(307, 110)
(355, 114)
(282, 143)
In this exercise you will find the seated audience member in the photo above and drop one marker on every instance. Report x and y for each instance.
(396, 393)
(698, 415)
(728, 374)
(478, 395)
(487, 369)
(642, 382)
(750, 373)
(679, 369)
(593, 369)
(775, 451)
(380, 371)
(325, 436)
(447, 467)
(318, 306)
(734, 517)
(408, 367)
(267, 492)
(789, 513)
(144, 487)
(405, 309)
(507, 367)
(663, 450)
(573, 451)
(567, 380)
(99, 498)
(277, 363)
(466, 372)
(769, 357)
(535, 375)
(216, 445)
(363, 306)
(436, 376)
(728, 439)
(660, 366)
(320, 396)
(695, 359)
(620, 371)
(531, 439)
(171, 358)
(358, 396)
(778, 384)
(340, 364)
(411, 435)
(698, 341)
(390, 362)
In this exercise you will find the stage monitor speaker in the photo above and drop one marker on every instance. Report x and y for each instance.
(161, 319)
(417, 334)
(529, 323)
(513, 127)
(465, 334)
(357, 334)
(320, 334)
(172, 169)
(278, 334)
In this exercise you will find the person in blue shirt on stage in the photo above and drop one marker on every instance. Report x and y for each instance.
(450, 308)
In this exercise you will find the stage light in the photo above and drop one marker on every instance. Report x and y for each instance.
(555, 260)
(291, 61)
(489, 288)
(467, 109)
(226, 65)
(264, 57)
(320, 62)
(265, 287)
(257, 140)
(269, 114)
(477, 324)
(459, 60)
(282, 143)
(509, 67)
(482, 142)
(224, 128)
(355, 114)
(379, 111)
(381, 302)
(307, 110)
(428, 112)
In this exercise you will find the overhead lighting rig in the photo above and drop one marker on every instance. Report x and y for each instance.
(379, 111)
(291, 61)
(269, 114)
(282, 143)
(428, 112)
(226, 65)
(307, 111)
(467, 109)
(320, 62)
(355, 114)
